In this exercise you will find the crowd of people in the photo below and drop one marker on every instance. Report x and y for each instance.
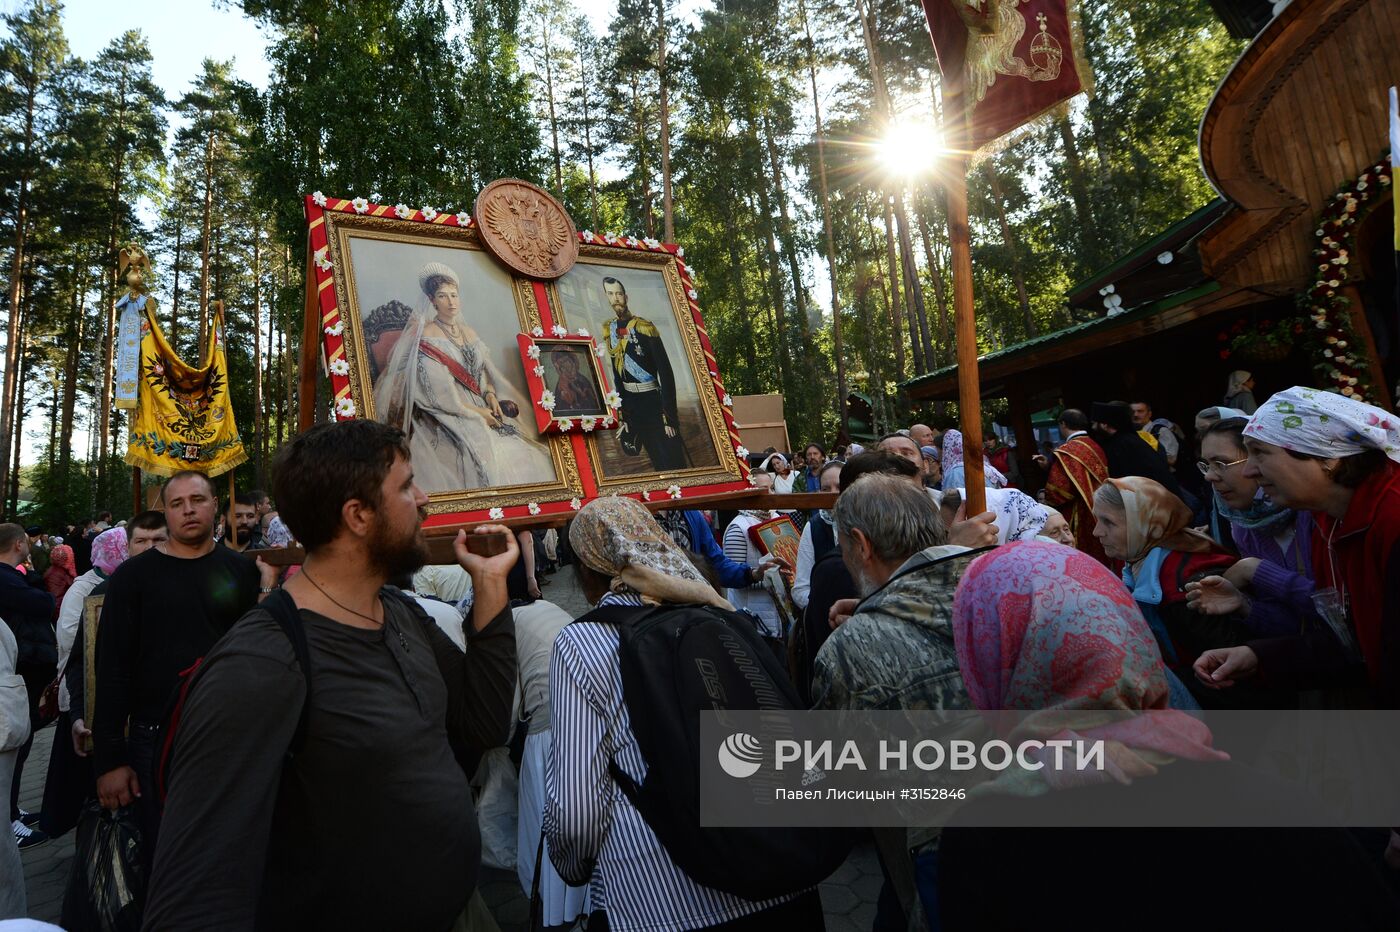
(326, 745)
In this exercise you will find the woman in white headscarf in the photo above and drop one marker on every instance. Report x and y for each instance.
(1239, 392)
(440, 387)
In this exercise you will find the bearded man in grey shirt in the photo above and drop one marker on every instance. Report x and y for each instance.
(369, 824)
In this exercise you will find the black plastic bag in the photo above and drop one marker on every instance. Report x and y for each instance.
(107, 887)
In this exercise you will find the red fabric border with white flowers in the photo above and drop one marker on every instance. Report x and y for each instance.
(345, 406)
(546, 421)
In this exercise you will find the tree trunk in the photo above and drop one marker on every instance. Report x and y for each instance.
(789, 245)
(588, 145)
(838, 349)
(668, 228)
(777, 298)
(549, 95)
(918, 322)
(257, 354)
(736, 271)
(896, 298)
(175, 295)
(204, 249)
(9, 418)
(644, 182)
(70, 369)
(940, 289)
(1009, 238)
(1079, 193)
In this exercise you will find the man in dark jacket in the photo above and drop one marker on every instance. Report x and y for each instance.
(1128, 454)
(370, 824)
(28, 609)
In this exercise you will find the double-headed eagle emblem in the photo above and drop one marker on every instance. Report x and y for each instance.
(532, 228)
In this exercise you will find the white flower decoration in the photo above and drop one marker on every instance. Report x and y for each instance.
(674, 491)
(575, 504)
(565, 425)
(336, 329)
(559, 330)
(693, 294)
(361, 205)
(608, 421)
(583, 332)
(646, 496)
(340, 367)
(680, 250)
(318, 198)
(533, 351)
(610, 238)
(322, 258)
(600, 351)
(534, 508)
(587, 236)
(588, 423)
(613, 400)
(652, 243)
(538, 370)
(753, 480)
(345, 408)
(537, 332)
(742, 452)
(464, 219)
(727, 401)
(403, 211)
(496, 514)
(429, 213)
(547, 400)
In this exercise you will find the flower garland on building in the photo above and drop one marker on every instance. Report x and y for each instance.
(1337, 356)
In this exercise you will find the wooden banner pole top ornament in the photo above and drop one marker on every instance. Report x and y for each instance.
(526, 229)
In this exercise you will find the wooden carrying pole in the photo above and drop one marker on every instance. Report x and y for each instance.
(965, 318)
(310, 349)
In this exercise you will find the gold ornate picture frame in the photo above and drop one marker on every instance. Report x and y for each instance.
(386, 280)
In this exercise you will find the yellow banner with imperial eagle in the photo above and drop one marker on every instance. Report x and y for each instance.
(184, 415)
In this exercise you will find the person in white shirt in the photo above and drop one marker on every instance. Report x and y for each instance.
(739, 547)
(818, 537)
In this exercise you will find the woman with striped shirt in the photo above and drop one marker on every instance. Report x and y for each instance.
(595, 834)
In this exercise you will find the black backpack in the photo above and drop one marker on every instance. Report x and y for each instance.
(677, 660)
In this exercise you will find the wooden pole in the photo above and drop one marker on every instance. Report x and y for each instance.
(232, 491)
(137, 506)
(310, 345)
(965, 325)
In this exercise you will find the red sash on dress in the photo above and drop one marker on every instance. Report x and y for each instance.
(454, 368)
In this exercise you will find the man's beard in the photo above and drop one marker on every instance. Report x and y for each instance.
(393, 555)
(865, 586)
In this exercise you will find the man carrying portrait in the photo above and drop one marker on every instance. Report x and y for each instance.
(648, 389)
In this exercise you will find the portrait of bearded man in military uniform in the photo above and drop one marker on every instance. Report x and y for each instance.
(642, 372)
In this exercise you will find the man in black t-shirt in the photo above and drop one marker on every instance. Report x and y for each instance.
(164, 610)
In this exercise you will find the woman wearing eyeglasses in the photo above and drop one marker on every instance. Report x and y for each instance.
(1274, 542)
(1339, 459)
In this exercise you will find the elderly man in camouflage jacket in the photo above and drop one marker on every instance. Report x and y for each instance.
(896, 651)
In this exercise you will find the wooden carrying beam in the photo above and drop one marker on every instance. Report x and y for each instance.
(487, 545)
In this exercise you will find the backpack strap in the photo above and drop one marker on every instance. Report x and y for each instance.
(284, 611)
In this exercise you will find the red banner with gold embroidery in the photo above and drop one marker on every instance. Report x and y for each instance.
(1014, 60)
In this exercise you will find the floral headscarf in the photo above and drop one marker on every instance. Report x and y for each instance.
(1157, 518)
(277, 534)
(1043, 628)
(62, 557)
(109, 550)
(952, 461)
(1018, 516)
(619, 538)
(1309, 420)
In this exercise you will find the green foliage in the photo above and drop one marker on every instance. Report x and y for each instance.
(424, 101)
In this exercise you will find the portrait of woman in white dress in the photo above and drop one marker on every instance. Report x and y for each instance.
(441, 388)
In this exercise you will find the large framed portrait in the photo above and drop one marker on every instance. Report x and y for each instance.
(431, 348)
(426, 330)
(672, 425)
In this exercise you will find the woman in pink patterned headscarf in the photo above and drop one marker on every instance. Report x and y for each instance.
(1046, 629)
(109, 550)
